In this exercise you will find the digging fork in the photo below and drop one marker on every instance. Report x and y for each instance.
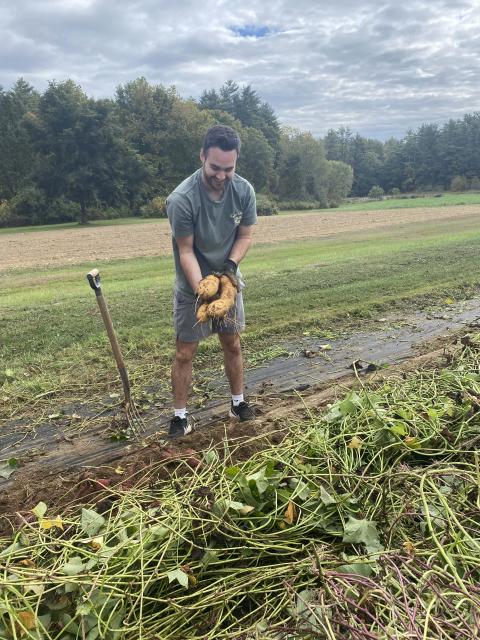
(134, 419)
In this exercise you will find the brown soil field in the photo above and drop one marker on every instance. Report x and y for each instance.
(84, 244)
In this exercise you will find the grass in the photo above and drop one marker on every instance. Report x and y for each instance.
(75, 225)
(53, 340)
(447, 200)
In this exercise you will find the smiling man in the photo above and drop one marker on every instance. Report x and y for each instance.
(211, 214)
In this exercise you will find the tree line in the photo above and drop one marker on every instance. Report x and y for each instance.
(66, 156)
(431, 158)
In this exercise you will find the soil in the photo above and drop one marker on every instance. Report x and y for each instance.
(89, 244)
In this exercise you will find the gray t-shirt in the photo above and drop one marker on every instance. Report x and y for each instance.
(212, 224)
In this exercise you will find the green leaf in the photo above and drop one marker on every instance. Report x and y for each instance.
(93, 634)
(347, 407)
(7, 467)
(91, 522)
(304, 598)
(74, 566)
(474, 377)
(115, 624)
(12, 548)
(45, 620)
(357, 568)
(437, 518)
(243, 509)
(362, 532)
(40, 510)
(284, 494)
(259, 481)
(91, 564)
(406, 414)
(326, 498)
(240, 479)
(83, 609)
(210, 456)
(178, 575)
(399, 428)
(159, 532)
(334, 414)
(300, 488)
(232, 472)
(309, 611)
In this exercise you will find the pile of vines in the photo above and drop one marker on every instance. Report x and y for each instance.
(364, 523)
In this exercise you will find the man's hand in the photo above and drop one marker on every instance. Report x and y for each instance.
(229, 269)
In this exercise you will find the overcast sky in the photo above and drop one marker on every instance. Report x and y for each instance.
(377, 67)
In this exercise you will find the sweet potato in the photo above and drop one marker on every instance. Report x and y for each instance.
(202, 312)
(228, 294)
(208, 287)
(219, 308)
(227, 290)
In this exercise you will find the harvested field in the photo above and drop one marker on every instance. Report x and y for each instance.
(74, 246)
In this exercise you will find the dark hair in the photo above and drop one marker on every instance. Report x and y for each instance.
(221, 136)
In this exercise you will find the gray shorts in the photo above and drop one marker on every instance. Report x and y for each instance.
(189, 329)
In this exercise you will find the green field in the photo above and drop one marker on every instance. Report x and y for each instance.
(54, 347)
(76, 225)
(446, 200)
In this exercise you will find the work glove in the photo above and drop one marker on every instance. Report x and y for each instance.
(229, 269)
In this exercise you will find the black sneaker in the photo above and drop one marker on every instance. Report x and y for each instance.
(242, 412)
(179, 427)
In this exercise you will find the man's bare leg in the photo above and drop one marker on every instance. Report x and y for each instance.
(182, 372)
(233, 361)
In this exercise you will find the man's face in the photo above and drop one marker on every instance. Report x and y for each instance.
(218, 167)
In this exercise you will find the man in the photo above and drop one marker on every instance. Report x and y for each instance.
(211, 214)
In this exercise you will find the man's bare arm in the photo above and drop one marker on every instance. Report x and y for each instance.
(242, 243)
(188, 261)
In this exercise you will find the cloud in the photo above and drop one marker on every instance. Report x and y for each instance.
(377, 68)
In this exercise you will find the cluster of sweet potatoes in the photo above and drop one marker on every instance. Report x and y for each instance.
(217, 295)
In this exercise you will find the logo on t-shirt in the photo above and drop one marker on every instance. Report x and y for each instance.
(237, 217)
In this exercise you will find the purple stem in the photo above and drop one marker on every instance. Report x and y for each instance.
(410, 614)
(342, 596)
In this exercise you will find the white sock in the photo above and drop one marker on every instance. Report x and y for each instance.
(181, 413)
(237, 399)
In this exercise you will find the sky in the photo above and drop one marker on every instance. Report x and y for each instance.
(379, 68)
